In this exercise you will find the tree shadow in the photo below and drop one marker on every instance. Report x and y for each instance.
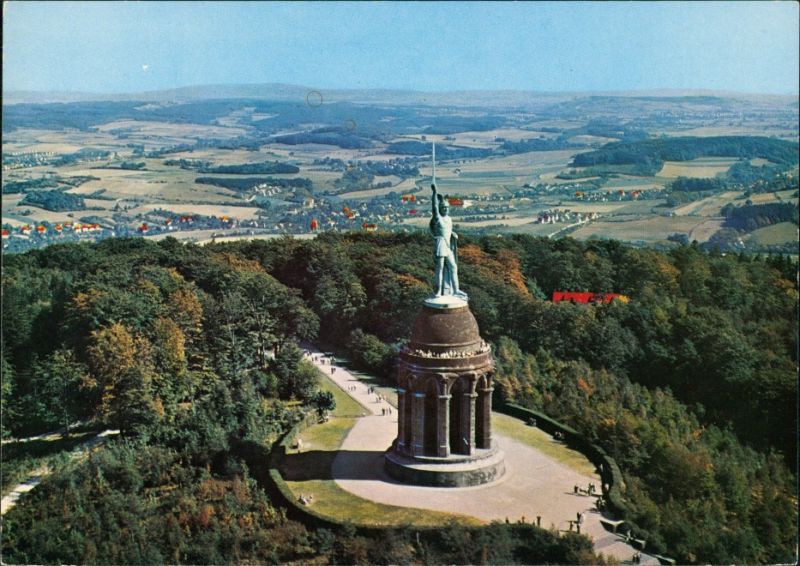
(334, 465)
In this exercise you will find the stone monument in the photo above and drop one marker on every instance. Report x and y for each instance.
(444, 422)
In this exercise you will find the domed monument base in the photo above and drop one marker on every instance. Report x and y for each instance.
(444, 435)
(485, 466)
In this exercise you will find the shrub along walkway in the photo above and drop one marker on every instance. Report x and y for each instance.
(538, 484)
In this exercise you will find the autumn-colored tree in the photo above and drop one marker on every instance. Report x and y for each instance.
(170, 383)
(121, 367)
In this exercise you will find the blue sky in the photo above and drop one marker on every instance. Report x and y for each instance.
(561, 46)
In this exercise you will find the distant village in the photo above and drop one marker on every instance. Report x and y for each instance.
(305, 215)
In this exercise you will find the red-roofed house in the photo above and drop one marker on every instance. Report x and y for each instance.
(584, 298)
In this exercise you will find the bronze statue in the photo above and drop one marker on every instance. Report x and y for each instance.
(445, 246)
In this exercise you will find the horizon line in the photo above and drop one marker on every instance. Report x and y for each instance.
(408, 90)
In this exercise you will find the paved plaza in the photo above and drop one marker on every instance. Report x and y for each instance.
(533, 486)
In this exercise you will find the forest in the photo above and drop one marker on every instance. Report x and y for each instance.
(192, 353)
(749, 217)
(265, 167)
(366, 122)
(190, 350)
(54, 200)
(341, 139)
(13, 187)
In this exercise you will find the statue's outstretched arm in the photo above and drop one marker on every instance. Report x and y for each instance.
(435, 202)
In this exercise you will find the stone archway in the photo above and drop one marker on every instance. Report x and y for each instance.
(462, 428)
(483, 412)
(431, 417)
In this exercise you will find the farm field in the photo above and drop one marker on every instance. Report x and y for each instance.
(709, 206)
(508, 221)
(508, 190)
(625, 207)
(590, 140)
(634, 183)
(785, 196)
(781, 233)
(147, 129)
(405, 186)
(238, 212)
(702, 168)
(531, 229)
(647, 230)
(754, 130)
(488, 138)
(493, 175)
(61, 142)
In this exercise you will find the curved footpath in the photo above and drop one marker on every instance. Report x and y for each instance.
(36, 477)
(534, 485)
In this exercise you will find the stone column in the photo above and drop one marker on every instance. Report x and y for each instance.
(485, 401)
(467, 437)
(443, 427)
(418, 424)
(401, 421)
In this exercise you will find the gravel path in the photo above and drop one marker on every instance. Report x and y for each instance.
(533, 486)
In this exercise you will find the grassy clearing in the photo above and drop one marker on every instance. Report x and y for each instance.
(331, 500)
(543, 442)
(21, 459)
